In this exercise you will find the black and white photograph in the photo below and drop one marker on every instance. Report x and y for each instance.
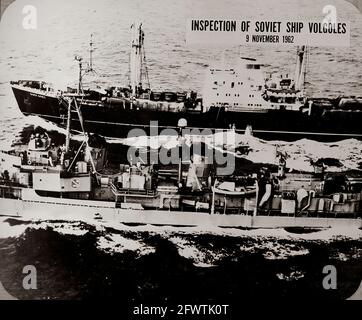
(181, 157)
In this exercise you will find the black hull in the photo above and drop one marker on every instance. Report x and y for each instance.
(117, 120)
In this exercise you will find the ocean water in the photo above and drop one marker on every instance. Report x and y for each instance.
(76, 260)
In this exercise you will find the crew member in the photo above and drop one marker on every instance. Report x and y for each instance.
(302, 197)
(265, 189)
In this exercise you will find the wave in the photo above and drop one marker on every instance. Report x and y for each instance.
(84, 261)
(300, 154)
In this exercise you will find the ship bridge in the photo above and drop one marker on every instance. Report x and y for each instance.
(237, 87)
(245, 88)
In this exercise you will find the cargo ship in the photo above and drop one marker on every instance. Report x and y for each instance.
(75, 181)
(275, 106)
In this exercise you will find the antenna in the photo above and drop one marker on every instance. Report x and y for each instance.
(90, 68)
(306, 65)
(84, 71)
(90, 63)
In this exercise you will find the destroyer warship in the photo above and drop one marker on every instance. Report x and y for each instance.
(276, 107)
(43, 179)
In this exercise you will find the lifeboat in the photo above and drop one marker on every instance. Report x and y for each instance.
(229, 189)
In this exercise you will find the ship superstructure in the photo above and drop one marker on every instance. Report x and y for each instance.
(75, 180)
(245, 89)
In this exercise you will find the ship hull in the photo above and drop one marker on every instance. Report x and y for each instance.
(55, 209)
(115, 120)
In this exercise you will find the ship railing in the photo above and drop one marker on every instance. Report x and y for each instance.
(62, 98)
(10, 190)
(321, 207)
(9, 183)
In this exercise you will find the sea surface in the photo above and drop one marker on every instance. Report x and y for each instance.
(79, 260)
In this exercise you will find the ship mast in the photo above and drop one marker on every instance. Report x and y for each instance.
(300, 69)
(90, 67)
(83, 71)
(67, 137)
(138, 67)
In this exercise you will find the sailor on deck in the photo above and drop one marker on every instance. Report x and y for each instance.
(302, 196)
